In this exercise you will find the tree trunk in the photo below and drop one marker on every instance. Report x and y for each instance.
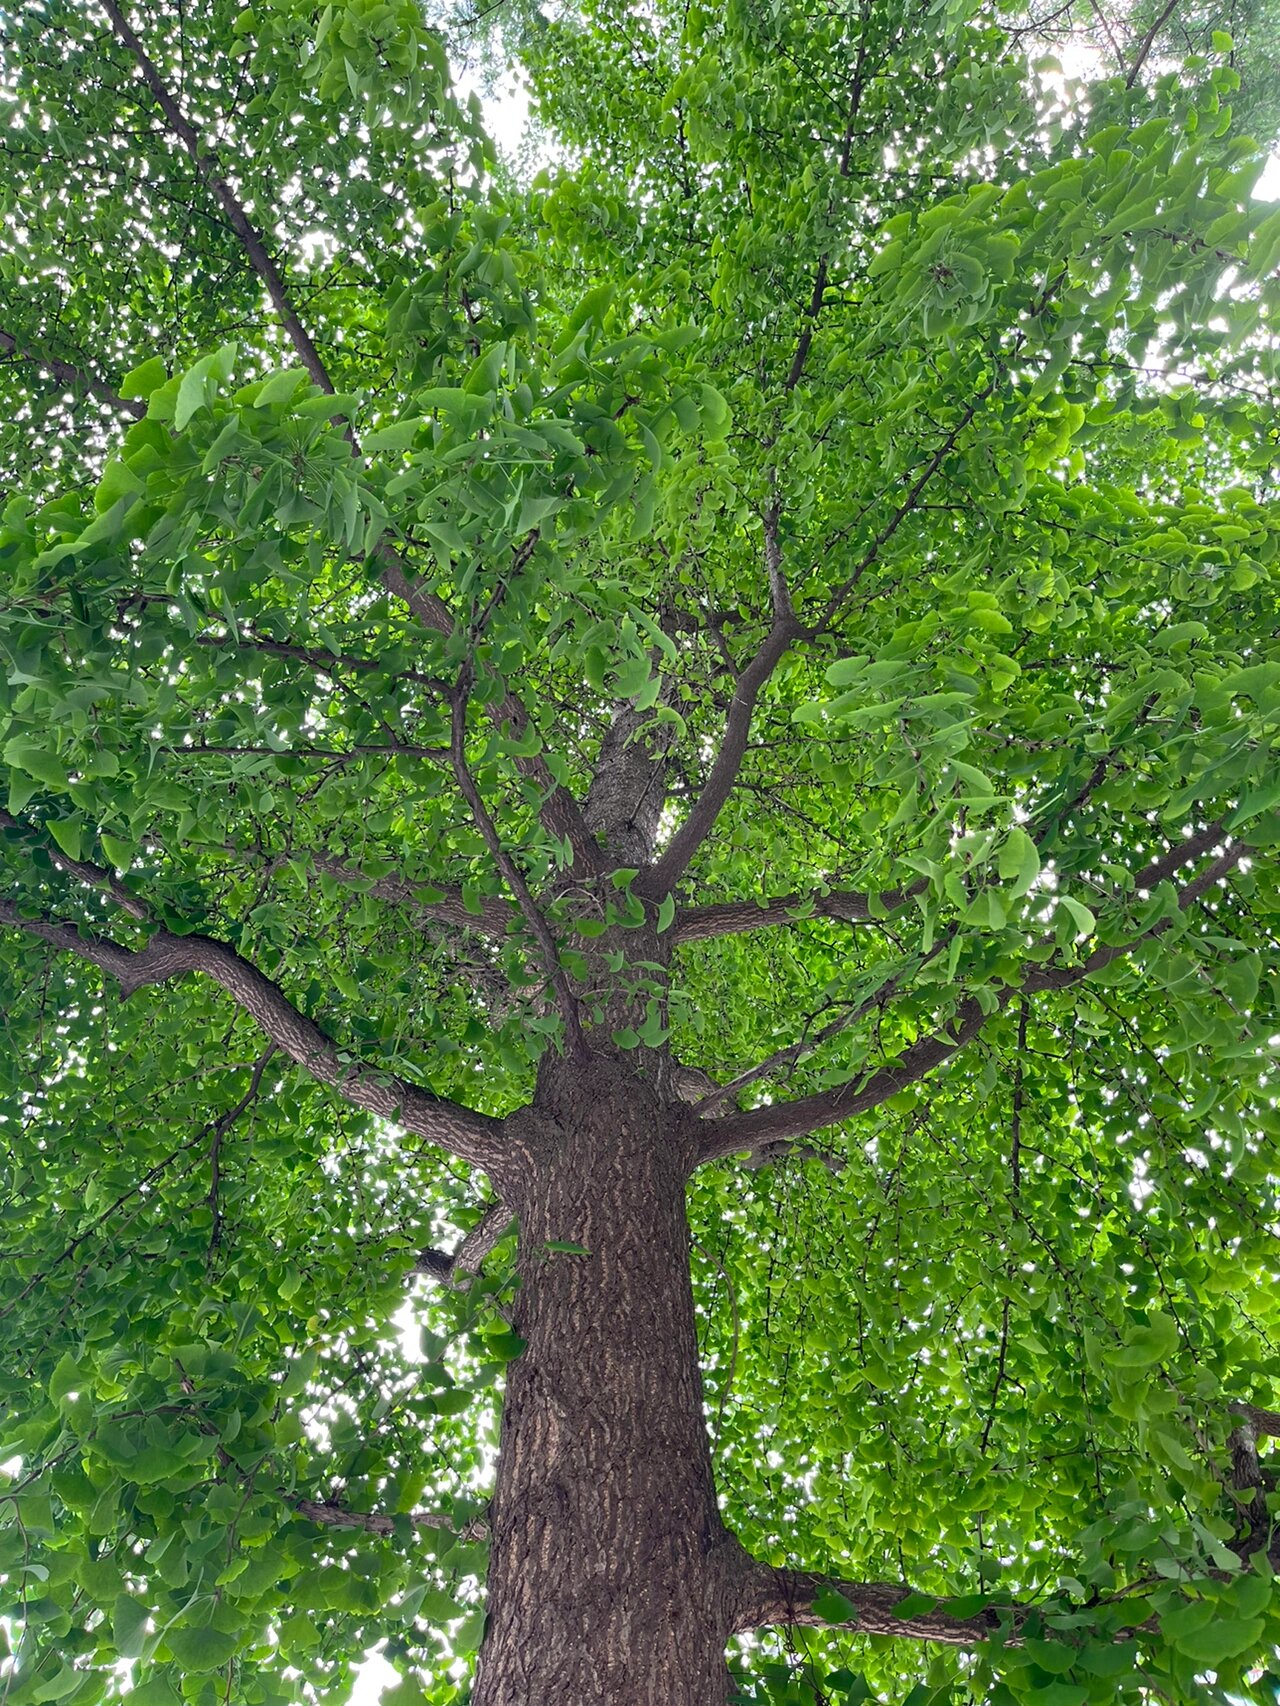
(611, 1578)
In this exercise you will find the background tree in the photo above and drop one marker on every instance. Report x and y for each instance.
(708, 725)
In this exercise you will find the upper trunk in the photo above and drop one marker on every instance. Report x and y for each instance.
(624, 804)
(611, 1577)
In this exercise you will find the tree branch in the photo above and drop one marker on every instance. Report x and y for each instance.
(494, 918)
(684, 844)
(325, 662)
(1261, 1421)
(74, 378)
(560, 811)
(810, 1043)
(814, 310)
(782, 1120)
(92, 876)
(736, 917)
(221, 1126)
(904, 509)
(483, 1237)
(329, 1515)
(514, 876)
(1147, 42)
(206, 165)
(472, 1136)
(771, 1597)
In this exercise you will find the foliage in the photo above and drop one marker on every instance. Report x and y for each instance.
(864, 314)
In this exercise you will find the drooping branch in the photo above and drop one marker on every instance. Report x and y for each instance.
(463, 1132)
(737, 917)
(771, 1597)
(215, 1129)
(317, 657)
(74, 378)
(812, 313)
(782, 1120)
(221, 1126)
(455, 1269)
(330, 1515)
(92, 876)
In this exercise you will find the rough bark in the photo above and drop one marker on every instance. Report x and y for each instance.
(611, 1578)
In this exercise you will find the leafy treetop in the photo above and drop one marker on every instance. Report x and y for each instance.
(832, 657)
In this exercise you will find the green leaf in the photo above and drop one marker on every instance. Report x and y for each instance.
(195, 390)
(25, 753)
(280, 387)
(666, 913)
(142, 380)
(120, 853)
(1084, 921)
(1224, 1638)
(833, 1607)
(68, 832)
(1019, 861)
(1143, 1346)
(201, 1650)
(67, 1377)
(59, 1685)
(913, 1605)
(157, 1690)
(129, 1618)
(399, 436)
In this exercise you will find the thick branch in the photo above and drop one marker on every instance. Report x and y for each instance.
(473, 1136)
(772, 1597)
(1261, 1421)
(74, 378)
(337, 1516)
(782, 1120)
(736, 917)
(483, 1237)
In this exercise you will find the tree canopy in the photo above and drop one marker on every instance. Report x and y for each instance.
(785, 597)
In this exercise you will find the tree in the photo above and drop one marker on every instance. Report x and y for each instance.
(707, 722)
